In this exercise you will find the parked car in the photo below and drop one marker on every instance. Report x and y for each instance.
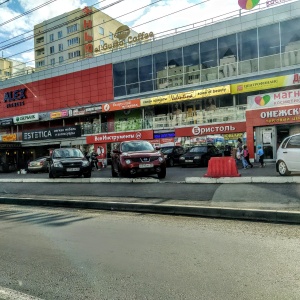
(133, 158)
(288, 155)
(199, 156)
(40, 164)
(172, 154)
(69, 162)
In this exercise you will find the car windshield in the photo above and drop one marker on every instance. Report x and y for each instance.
(137, 146)
(67, 153)
(167, 150)
(198, 149)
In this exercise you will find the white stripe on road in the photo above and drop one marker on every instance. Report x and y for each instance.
(8, 294)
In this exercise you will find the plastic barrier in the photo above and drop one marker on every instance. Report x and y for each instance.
(222, 167)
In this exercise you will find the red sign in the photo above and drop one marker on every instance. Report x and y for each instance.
(273, 116)
(211, 129)
(119, 137)
(128, 104)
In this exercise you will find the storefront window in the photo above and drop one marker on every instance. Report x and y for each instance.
(146, 74)
(191, 60)
(119, 79)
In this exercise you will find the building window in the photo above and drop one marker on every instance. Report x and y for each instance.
(74, 54)
(61, 59)
(72, 41)
(6, 73)
(51, 49)
(40, 63)
(101, 30)
(101, 43)
(59, 35)
(111, 35)
(52, 61)
(60, 47)
(72, 28)
(51, 37)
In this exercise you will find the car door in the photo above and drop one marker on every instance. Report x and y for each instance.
(291, 153)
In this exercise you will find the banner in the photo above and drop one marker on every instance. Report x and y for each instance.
(121, 105)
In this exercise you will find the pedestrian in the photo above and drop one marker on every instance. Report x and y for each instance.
(243, 157)
(240, 144)
(94, 159)
(246, 155)
(260, 153)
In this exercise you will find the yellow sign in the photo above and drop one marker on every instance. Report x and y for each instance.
(192, 95)
(257, 85)
(233, 136)
(9, 137)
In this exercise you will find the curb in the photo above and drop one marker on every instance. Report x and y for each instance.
(277, 216)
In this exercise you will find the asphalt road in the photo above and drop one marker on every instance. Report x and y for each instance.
(69, 254)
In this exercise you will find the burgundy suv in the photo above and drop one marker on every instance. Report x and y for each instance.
(133, 158)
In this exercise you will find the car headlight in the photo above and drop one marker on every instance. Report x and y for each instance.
(197, 157)
(161, 159)
(182, 158)
(127, 161)
(85, 163)
(57, 164)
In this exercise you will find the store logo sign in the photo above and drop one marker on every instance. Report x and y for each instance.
(262, 101)
(11, 97)
(248, 4)
(26, 118)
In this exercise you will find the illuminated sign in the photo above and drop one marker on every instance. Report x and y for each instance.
(26, 118)
(192, 95)
(164, 135)
(9, 137)
(87, 27)
(13, 96)
(121, 105)
(59, 114)
(248, 4)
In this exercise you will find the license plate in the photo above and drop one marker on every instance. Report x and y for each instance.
(145, 165)
(188, 160)
(73, 169)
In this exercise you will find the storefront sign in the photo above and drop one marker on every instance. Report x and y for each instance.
(58, 114)
(6, 122)
(121, 105)
(273, 116)
(211, 129)
(276, 2)
(85, 110)
(9, 137)
(248, 4)
(233, 136)
(192, 95)
(87, 27)
(282, 98)
(164, 135)
(264, 84)
(52, 133)
(120, 137)
(13, 96)
(26, 118)
(10, 145)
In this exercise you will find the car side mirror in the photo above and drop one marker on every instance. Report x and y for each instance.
(116, 151)
(157, 148)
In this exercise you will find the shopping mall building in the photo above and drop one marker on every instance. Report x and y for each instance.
(239, 77)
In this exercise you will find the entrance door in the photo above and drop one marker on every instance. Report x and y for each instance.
(266, 137)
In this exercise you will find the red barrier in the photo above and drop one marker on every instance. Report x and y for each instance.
(222, 167)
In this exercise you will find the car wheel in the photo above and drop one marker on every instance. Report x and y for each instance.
(171, 162)
(51, 174)
(282, 169)
(162, 174)
(87, 175)
(113, 172)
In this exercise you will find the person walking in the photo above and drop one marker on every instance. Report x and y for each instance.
(246, 155)
(94, 159)
(260, 153)
(243, 157)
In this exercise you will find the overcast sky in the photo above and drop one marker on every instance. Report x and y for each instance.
(141, 15)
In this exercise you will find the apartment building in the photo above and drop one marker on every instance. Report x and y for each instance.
(72, 36)
(12, 68)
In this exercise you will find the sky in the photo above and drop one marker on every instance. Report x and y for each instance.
(18, 17)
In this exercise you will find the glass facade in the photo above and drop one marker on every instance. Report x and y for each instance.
(248, 52)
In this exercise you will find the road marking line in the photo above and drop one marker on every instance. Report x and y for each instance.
(8, 294)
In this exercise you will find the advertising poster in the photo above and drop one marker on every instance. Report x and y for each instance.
(101, 150)
(127, 120)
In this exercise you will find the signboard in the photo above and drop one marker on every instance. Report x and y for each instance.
(282, 98)
(10, 145)
(120, 137)
(58, 114)
(9, 137)
(211, 129)
(192, 95)
(52, 133)
(26, 118)
(85, 110)
(121, 105)
(162, 135)
(273, 116)
(265, 84)
(248, 4)
(12, 98)
(6, 122)
(276, 2)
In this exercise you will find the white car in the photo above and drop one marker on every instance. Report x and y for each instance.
(288, 155)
